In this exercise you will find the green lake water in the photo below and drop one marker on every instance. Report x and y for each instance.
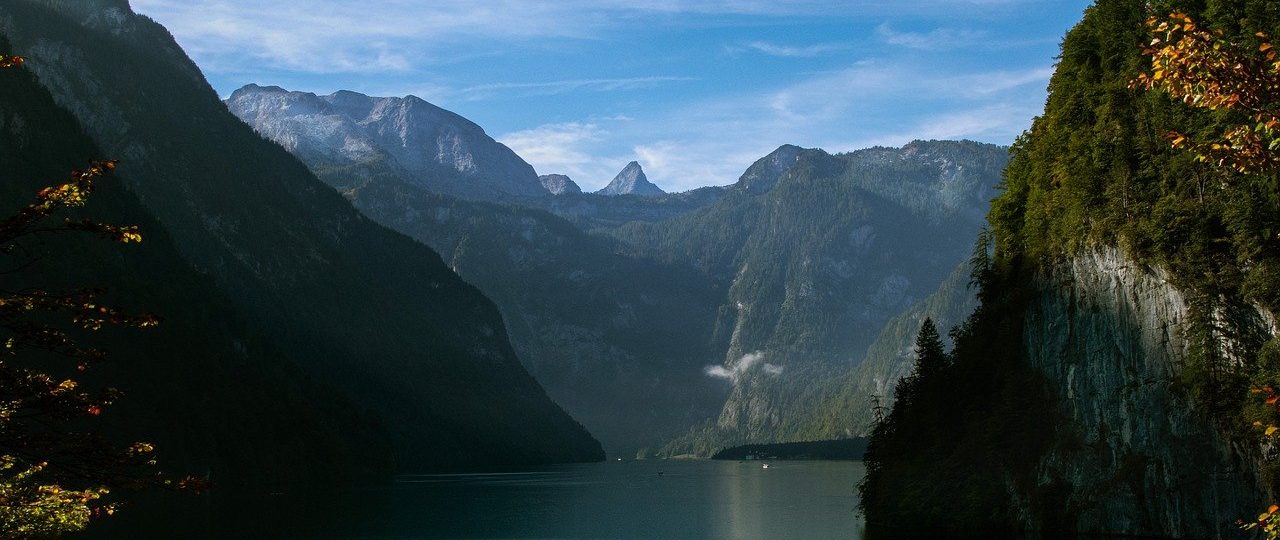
(627, 499)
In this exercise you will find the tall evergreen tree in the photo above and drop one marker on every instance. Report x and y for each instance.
(930, 355)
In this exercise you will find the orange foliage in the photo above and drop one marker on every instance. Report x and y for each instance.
(1204, 70)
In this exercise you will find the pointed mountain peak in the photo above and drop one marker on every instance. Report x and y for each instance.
(632, 181)
(559, 184)
(766, 171)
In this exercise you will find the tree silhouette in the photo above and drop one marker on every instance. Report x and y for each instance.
(931, 357)
(53, 473)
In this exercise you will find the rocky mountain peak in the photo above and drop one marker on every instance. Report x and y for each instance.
(423, 143)
(559, 184)
(632, 181)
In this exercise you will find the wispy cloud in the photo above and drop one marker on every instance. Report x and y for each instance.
(736, 370)
(328, 36)
(571, 148)
(939, 38)
(791, 51)
(711, 142)
(549, 76)
(559, 87)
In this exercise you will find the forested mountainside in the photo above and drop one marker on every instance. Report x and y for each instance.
(364, 309)
(868, 385)
(816, 253)
(1102, 385)
(601, 213)
(216, 395)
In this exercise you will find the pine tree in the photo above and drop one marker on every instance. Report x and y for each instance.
(931, 357)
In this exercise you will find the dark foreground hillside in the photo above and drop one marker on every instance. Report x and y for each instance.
(214, 393)
(357, 307)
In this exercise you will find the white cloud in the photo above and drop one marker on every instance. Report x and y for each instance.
(735, 371)
(791, 51)
(568, 148)
(940, 38)
(560, 87)
(705, 134)
(712, 141)
(338, 36)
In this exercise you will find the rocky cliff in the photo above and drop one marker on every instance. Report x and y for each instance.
(1126, 310)
(559, 184)
(1139, 456)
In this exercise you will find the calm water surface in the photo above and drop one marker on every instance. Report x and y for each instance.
(629, 499)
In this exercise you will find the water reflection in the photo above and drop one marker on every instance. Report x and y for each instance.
(648, 499)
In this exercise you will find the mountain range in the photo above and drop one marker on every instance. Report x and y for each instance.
(665, 323)
(802, 261)
(583, 314)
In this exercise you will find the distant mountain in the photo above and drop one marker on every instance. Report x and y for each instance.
(559, 184)
(582, 314)
(360, 308)
(631, 181)
(368, 136)
(803, 261)
(815, 253)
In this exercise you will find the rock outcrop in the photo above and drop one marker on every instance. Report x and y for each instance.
(559, 184)
(1140, 456)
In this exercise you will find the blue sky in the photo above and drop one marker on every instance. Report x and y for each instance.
(695, 90)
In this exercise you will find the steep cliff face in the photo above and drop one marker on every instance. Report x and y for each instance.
(1139, 456)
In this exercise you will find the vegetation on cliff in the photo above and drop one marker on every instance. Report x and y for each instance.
(1105, 165)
